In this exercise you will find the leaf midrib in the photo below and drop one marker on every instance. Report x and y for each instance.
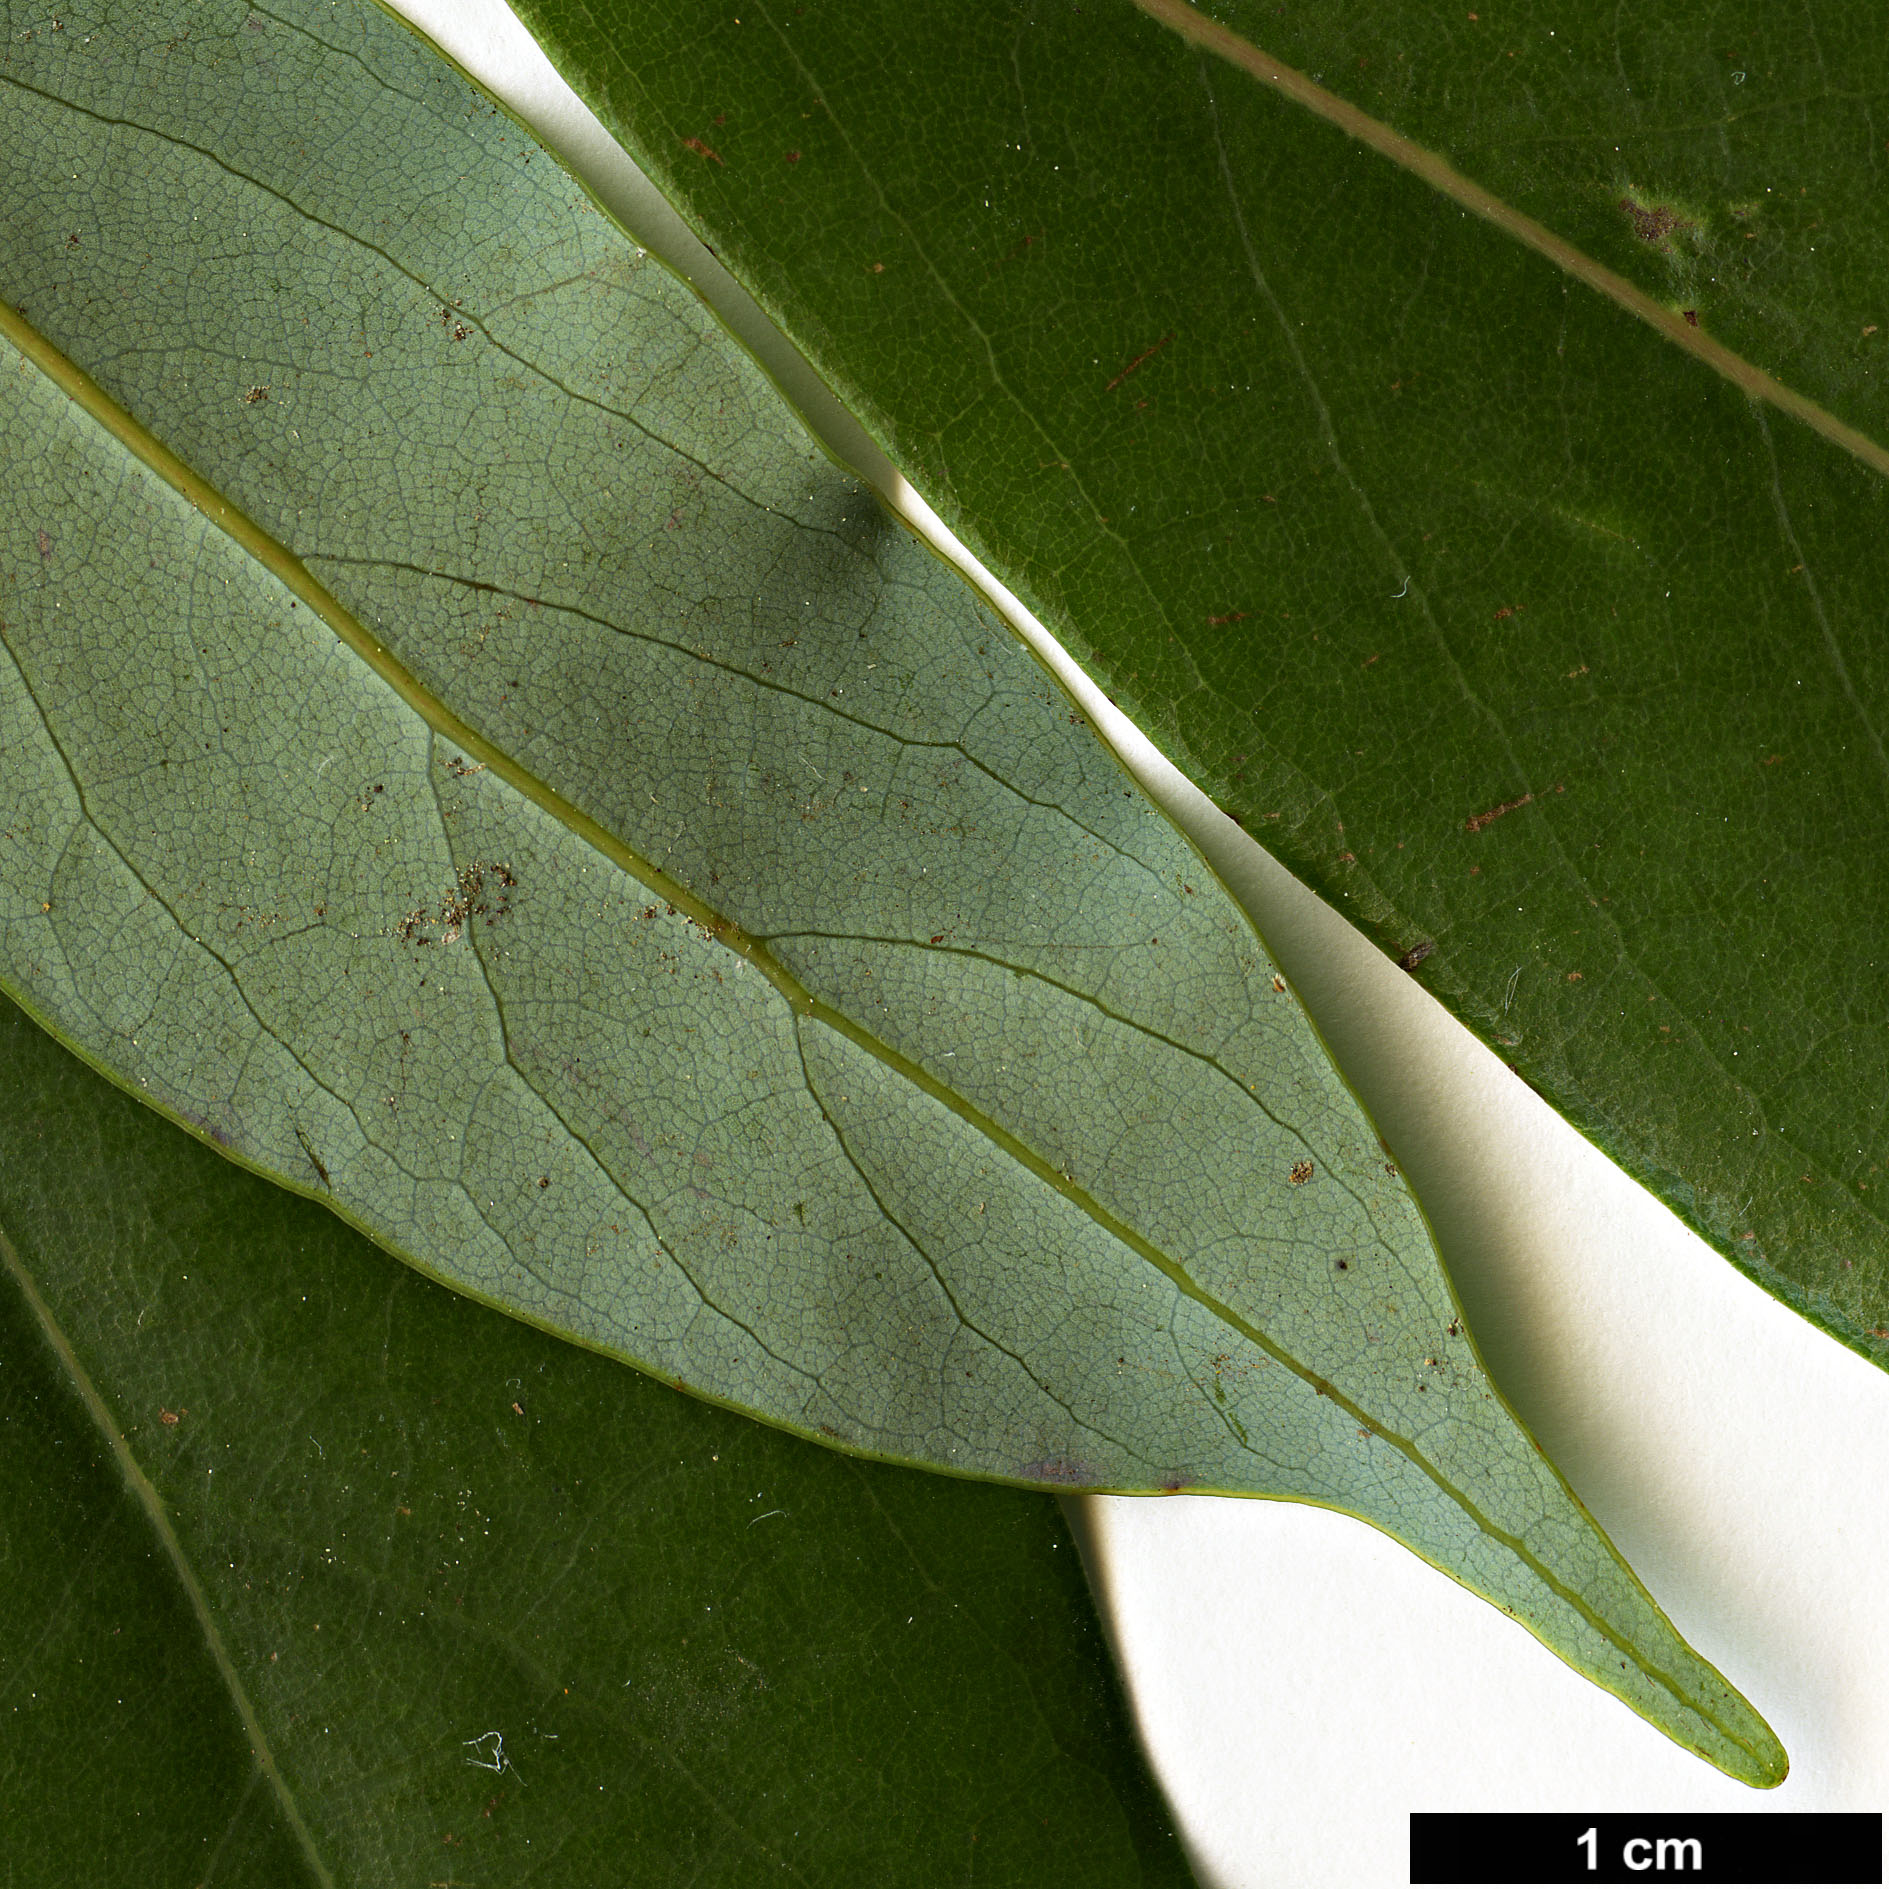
(804, 1005)
(144, 1493)
(1208, 35)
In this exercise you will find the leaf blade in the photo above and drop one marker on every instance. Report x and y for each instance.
(419, 983)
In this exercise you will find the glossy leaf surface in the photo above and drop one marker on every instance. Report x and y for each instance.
(1415, 501)
(482, 768)
(713, 1653)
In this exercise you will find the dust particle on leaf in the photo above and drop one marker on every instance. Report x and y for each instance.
(484, 890)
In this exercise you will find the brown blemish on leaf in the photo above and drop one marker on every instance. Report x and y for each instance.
(314, 1160)
(702, 150)
(1654, 223)
(1477, 821)
(255, 396)
(1057, 1469)
(1301, 1173)
(1146, 354)
(1416, 954)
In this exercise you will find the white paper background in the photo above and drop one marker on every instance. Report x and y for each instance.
(1303, 1683)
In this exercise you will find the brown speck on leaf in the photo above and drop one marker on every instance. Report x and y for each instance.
(1454, 1328)
(1301, 1173)
(1232, 616)
(702, 150)
(1574, 977)
(255, 396)
(1692, 317)
(45, 548)
(1477, 821)
(167, 1417)
(878, 268)
(1146, 354)
(544, 1180)
(793, 157)
(1416, 954)
(518, 1409)
(1503, 612)
(1653, 224)
(1278, 983)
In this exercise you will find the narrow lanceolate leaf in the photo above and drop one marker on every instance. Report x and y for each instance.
(471, 759)
(1460, 438)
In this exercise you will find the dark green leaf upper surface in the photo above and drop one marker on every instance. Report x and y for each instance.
(124, 1759)
(504, 1612)
(1731, 163)
(1507, 623)
(479, 765)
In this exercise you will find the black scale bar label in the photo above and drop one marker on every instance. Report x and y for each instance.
(1786, 1847)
